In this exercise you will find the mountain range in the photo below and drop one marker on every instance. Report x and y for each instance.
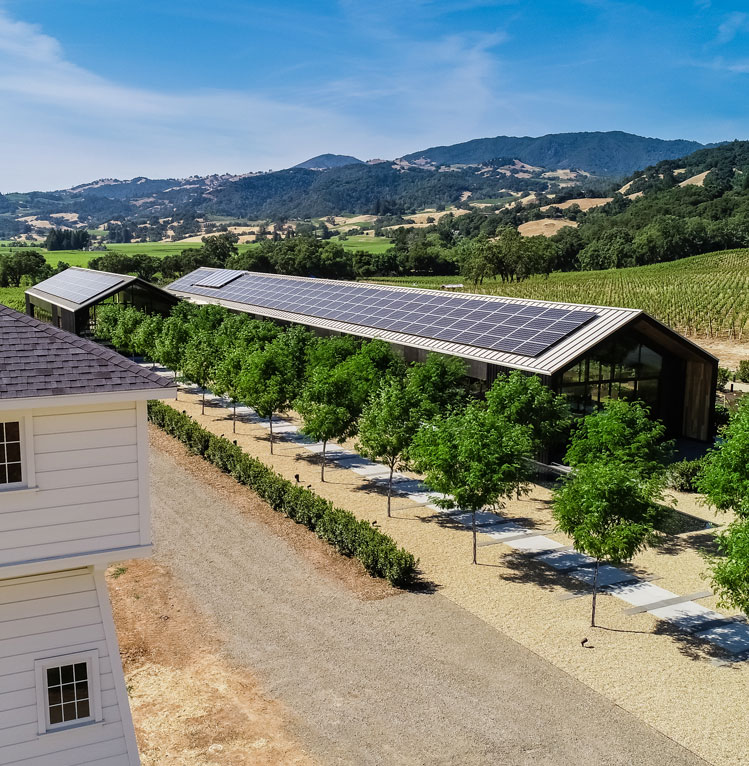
(333, 184)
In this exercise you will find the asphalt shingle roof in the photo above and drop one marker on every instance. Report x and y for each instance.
(37, 359)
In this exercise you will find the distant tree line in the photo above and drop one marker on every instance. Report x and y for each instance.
(67, 239)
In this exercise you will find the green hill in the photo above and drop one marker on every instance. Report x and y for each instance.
(327, 161)
(612, 153)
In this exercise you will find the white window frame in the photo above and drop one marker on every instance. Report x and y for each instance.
(91, 658)
(28, 473)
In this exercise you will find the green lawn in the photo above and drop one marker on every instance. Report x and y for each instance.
(364, 242)
(82, 257)
(13, 297)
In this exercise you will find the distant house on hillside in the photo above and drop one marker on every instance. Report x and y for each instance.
(73, 500)
(69, 299)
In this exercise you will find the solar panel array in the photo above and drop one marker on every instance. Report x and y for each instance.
(501, 326)
(78, 286)
(219, 278)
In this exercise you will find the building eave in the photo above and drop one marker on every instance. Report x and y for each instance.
(100, 397)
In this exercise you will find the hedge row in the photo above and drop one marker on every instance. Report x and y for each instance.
(378, 552)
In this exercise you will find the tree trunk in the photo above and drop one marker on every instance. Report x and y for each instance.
(322, 467)
(473, 528)
(595, 593)
(270, 423)
(234, 419)
(390, 489)
(202, 406)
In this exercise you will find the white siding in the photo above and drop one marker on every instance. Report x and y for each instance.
(44, 616)
(91, 470)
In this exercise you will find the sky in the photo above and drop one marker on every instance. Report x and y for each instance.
(121, 88)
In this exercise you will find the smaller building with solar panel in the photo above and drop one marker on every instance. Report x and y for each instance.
(588, 353)
(69, 300)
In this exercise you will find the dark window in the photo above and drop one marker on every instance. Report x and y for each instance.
(624, 368)
(10, 453)
(67, 693)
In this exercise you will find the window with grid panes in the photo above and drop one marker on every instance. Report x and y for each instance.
(68, 693)
(11, 468)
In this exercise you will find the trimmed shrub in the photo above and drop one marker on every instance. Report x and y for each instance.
(743, 372)
(378, 552)
(724, 376)
(683, 475)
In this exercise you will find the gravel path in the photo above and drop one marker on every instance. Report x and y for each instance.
(408, 679)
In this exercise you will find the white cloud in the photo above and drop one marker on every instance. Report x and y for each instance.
(732, 25)
(64, 124)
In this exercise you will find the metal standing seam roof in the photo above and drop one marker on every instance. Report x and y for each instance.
(604, 321)
(38, 360)
(77, 287)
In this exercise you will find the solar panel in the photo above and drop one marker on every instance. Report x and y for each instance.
(516, 328)
(218, 278)
(79, 285)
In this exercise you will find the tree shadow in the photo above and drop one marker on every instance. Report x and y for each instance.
(702, 542)
(695, 648)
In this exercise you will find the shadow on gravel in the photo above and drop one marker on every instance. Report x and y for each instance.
(702, 542)
(693, 647)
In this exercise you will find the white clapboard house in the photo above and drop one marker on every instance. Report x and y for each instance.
(73, 499)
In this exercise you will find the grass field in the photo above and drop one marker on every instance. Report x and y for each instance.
(703, 296)
(82, 257)
(364, 242)
(13, 297)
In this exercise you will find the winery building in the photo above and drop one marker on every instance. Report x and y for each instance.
(69, 299)
(589, 353)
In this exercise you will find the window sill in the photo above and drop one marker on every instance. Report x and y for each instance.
(18, 490)
(72, 727)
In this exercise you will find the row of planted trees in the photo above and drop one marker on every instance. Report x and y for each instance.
(476, 453)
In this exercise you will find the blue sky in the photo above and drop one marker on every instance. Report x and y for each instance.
(119, 88)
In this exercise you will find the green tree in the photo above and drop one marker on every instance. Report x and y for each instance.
(326, 407)
(725, 484)
(226, 377)
(388, 425)
(268, 382)
(525, 400)
(624, 432)
(107, 318)
(147, 335)
(609, 510)
(124, 334)
(198, 361)
(439, 383)
(171, 343)
(474, 458)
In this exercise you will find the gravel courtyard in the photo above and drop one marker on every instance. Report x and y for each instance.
(378, 677)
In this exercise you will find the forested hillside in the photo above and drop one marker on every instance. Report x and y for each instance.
(612, 153)
(332, 184)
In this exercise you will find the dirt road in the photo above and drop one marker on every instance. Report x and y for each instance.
(405, 679)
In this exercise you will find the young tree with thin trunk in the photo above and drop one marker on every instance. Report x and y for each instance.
(388, 425)
(474, 458)
(609, 510)
(725, 484)
(268, 382)
(171, 343)
(326, 408)
(333, 397)
(226, 377)
(199, 359)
